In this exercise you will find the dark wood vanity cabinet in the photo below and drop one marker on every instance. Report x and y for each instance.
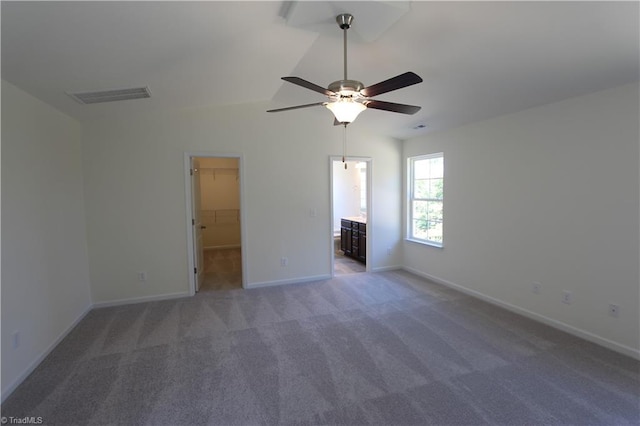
(345, 237)
(353, 238)
(362, 243)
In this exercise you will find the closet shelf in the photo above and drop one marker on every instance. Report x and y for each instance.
(220, 216)
(214, 171)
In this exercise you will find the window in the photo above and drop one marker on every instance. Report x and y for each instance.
(426, 198)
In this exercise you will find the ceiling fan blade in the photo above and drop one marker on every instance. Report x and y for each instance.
(393, 107)
(308, 85)
(394, 83)
(296, 107)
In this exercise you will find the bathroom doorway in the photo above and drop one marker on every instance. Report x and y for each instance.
(351, 230)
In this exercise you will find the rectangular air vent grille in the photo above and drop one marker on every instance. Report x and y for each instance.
(111, 95)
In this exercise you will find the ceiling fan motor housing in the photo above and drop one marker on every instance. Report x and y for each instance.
(346, 87)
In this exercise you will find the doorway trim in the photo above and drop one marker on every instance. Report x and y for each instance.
(188, 155)
(370, 213)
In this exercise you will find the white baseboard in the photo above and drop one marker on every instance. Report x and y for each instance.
(34, 364)
(386, 268)
(289, 281)
(120, 302)
(623, 349)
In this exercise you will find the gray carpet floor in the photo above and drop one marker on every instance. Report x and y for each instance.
(387, 349)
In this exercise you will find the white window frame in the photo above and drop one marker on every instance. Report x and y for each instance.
(410, 199)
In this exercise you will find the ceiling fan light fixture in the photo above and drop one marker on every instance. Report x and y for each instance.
(346, 110)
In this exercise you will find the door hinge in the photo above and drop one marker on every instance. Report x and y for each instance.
(193, 221)
(191, 172)
(195, 270)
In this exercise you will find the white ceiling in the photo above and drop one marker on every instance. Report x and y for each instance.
(478, 59)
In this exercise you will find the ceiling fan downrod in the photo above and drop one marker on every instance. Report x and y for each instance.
(344, 21)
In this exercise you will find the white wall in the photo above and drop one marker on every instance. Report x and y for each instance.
(134, 179)
(45, 274)
(549, 194)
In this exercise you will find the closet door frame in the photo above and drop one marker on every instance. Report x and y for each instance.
(189, 182)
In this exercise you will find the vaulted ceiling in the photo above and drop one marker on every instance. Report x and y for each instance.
(478, 59)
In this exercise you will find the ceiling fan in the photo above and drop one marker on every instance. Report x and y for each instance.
(348, 98)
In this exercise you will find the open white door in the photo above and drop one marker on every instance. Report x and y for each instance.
(198, 254)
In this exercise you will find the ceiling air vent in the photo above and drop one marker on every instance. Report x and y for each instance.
(111, 95)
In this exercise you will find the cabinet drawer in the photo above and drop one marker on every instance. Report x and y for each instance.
(345, 224)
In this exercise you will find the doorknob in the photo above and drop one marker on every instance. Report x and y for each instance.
(203, 227)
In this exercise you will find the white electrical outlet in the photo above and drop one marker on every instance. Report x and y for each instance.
(15, 340)
(614, 310)
(284, 261)
(142, 276)
(566, 297)
(536, 287)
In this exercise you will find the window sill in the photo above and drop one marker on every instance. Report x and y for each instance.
(425, 243)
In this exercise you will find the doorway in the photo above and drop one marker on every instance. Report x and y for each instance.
(351, 215)
(214, 208)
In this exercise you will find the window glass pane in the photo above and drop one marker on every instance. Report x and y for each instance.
(421, 169)
(420, 217)
(434, 232)
(420, 229)
(421, 188)
(434, 211)
(420, 210)
(436, 188)
(436, 169)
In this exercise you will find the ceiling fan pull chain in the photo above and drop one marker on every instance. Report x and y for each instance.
(344, 146)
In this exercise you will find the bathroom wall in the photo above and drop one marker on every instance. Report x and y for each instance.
(346, 192)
